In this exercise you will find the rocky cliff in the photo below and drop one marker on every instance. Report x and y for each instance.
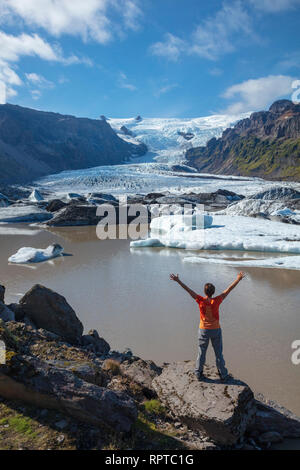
(267, 144)
(35, 143)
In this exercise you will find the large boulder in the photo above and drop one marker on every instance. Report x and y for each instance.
(221, 410)
(141, 372)
(39, 383)
(51, 311)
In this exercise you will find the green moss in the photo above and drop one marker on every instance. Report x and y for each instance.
(154, 407)
(267, 157)
(159, 439)
(22, 425)
(251, 156)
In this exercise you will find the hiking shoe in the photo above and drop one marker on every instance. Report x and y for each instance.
(199, 375)
(226, 378)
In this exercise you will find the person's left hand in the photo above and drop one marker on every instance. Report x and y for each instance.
(174, 277)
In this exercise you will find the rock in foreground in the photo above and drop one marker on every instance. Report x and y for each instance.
(222, 410)
(51, 311)
(37, 382)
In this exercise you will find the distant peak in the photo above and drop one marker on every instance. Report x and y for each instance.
(280, 106)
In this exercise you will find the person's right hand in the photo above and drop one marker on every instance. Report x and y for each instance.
(241, 276)
(174, 277)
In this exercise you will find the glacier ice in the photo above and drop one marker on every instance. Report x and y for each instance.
(23, 213)
(36, 255)
(285, 262)
(225, 233)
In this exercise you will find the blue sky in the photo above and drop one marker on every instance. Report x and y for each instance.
(157, 58)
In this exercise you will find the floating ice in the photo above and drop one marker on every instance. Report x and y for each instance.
(286, 262)
(34, 255)
(22, 213)
(180, 223)
(226, 233)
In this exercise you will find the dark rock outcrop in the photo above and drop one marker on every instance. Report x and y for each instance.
(51, 311)
(39, 383)
(186, 135)
(126, 131)
(55, 205)
(142, 372)
(83, 214)
(222, 410)
(96, 344)
(35, 143)
(265, 144)
(278, 193)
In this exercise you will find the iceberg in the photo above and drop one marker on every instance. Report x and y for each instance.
(23, 213)
(226, 232)
(286, 262)
(35, 255)
(35, 196)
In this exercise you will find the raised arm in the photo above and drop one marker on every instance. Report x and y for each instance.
(240, 276)
(175, 278)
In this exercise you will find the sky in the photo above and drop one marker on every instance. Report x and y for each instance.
(156, 58)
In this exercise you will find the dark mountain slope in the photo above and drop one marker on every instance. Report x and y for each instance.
(267, 144)
(35, 143)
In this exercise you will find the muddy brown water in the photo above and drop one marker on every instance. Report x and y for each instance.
(127, 296)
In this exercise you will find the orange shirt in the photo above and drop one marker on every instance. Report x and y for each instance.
(209, 312)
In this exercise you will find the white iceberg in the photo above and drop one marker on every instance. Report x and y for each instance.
(35, 255)
(286, 262)
(23, 213)
(35, 196)
(225, 233)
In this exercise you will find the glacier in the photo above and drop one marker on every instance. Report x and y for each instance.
(155, 172)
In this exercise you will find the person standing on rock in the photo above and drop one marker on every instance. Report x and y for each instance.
(209, 328)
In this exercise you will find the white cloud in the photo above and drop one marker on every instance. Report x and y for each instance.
(13, 48)
(36, 94)
(216, 71)
(214, 36)
(124, 83)
(2, 92)
(274, 6)
(38, 80)
(257, 94)
(217, 35)
(171, 47)
(89, 19)
(165, 89)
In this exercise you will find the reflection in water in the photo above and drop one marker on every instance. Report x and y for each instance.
(126, 295)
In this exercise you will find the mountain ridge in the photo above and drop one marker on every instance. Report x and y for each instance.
(36, 143)
(266, 144)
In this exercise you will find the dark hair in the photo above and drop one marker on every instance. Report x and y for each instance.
(209, 289)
